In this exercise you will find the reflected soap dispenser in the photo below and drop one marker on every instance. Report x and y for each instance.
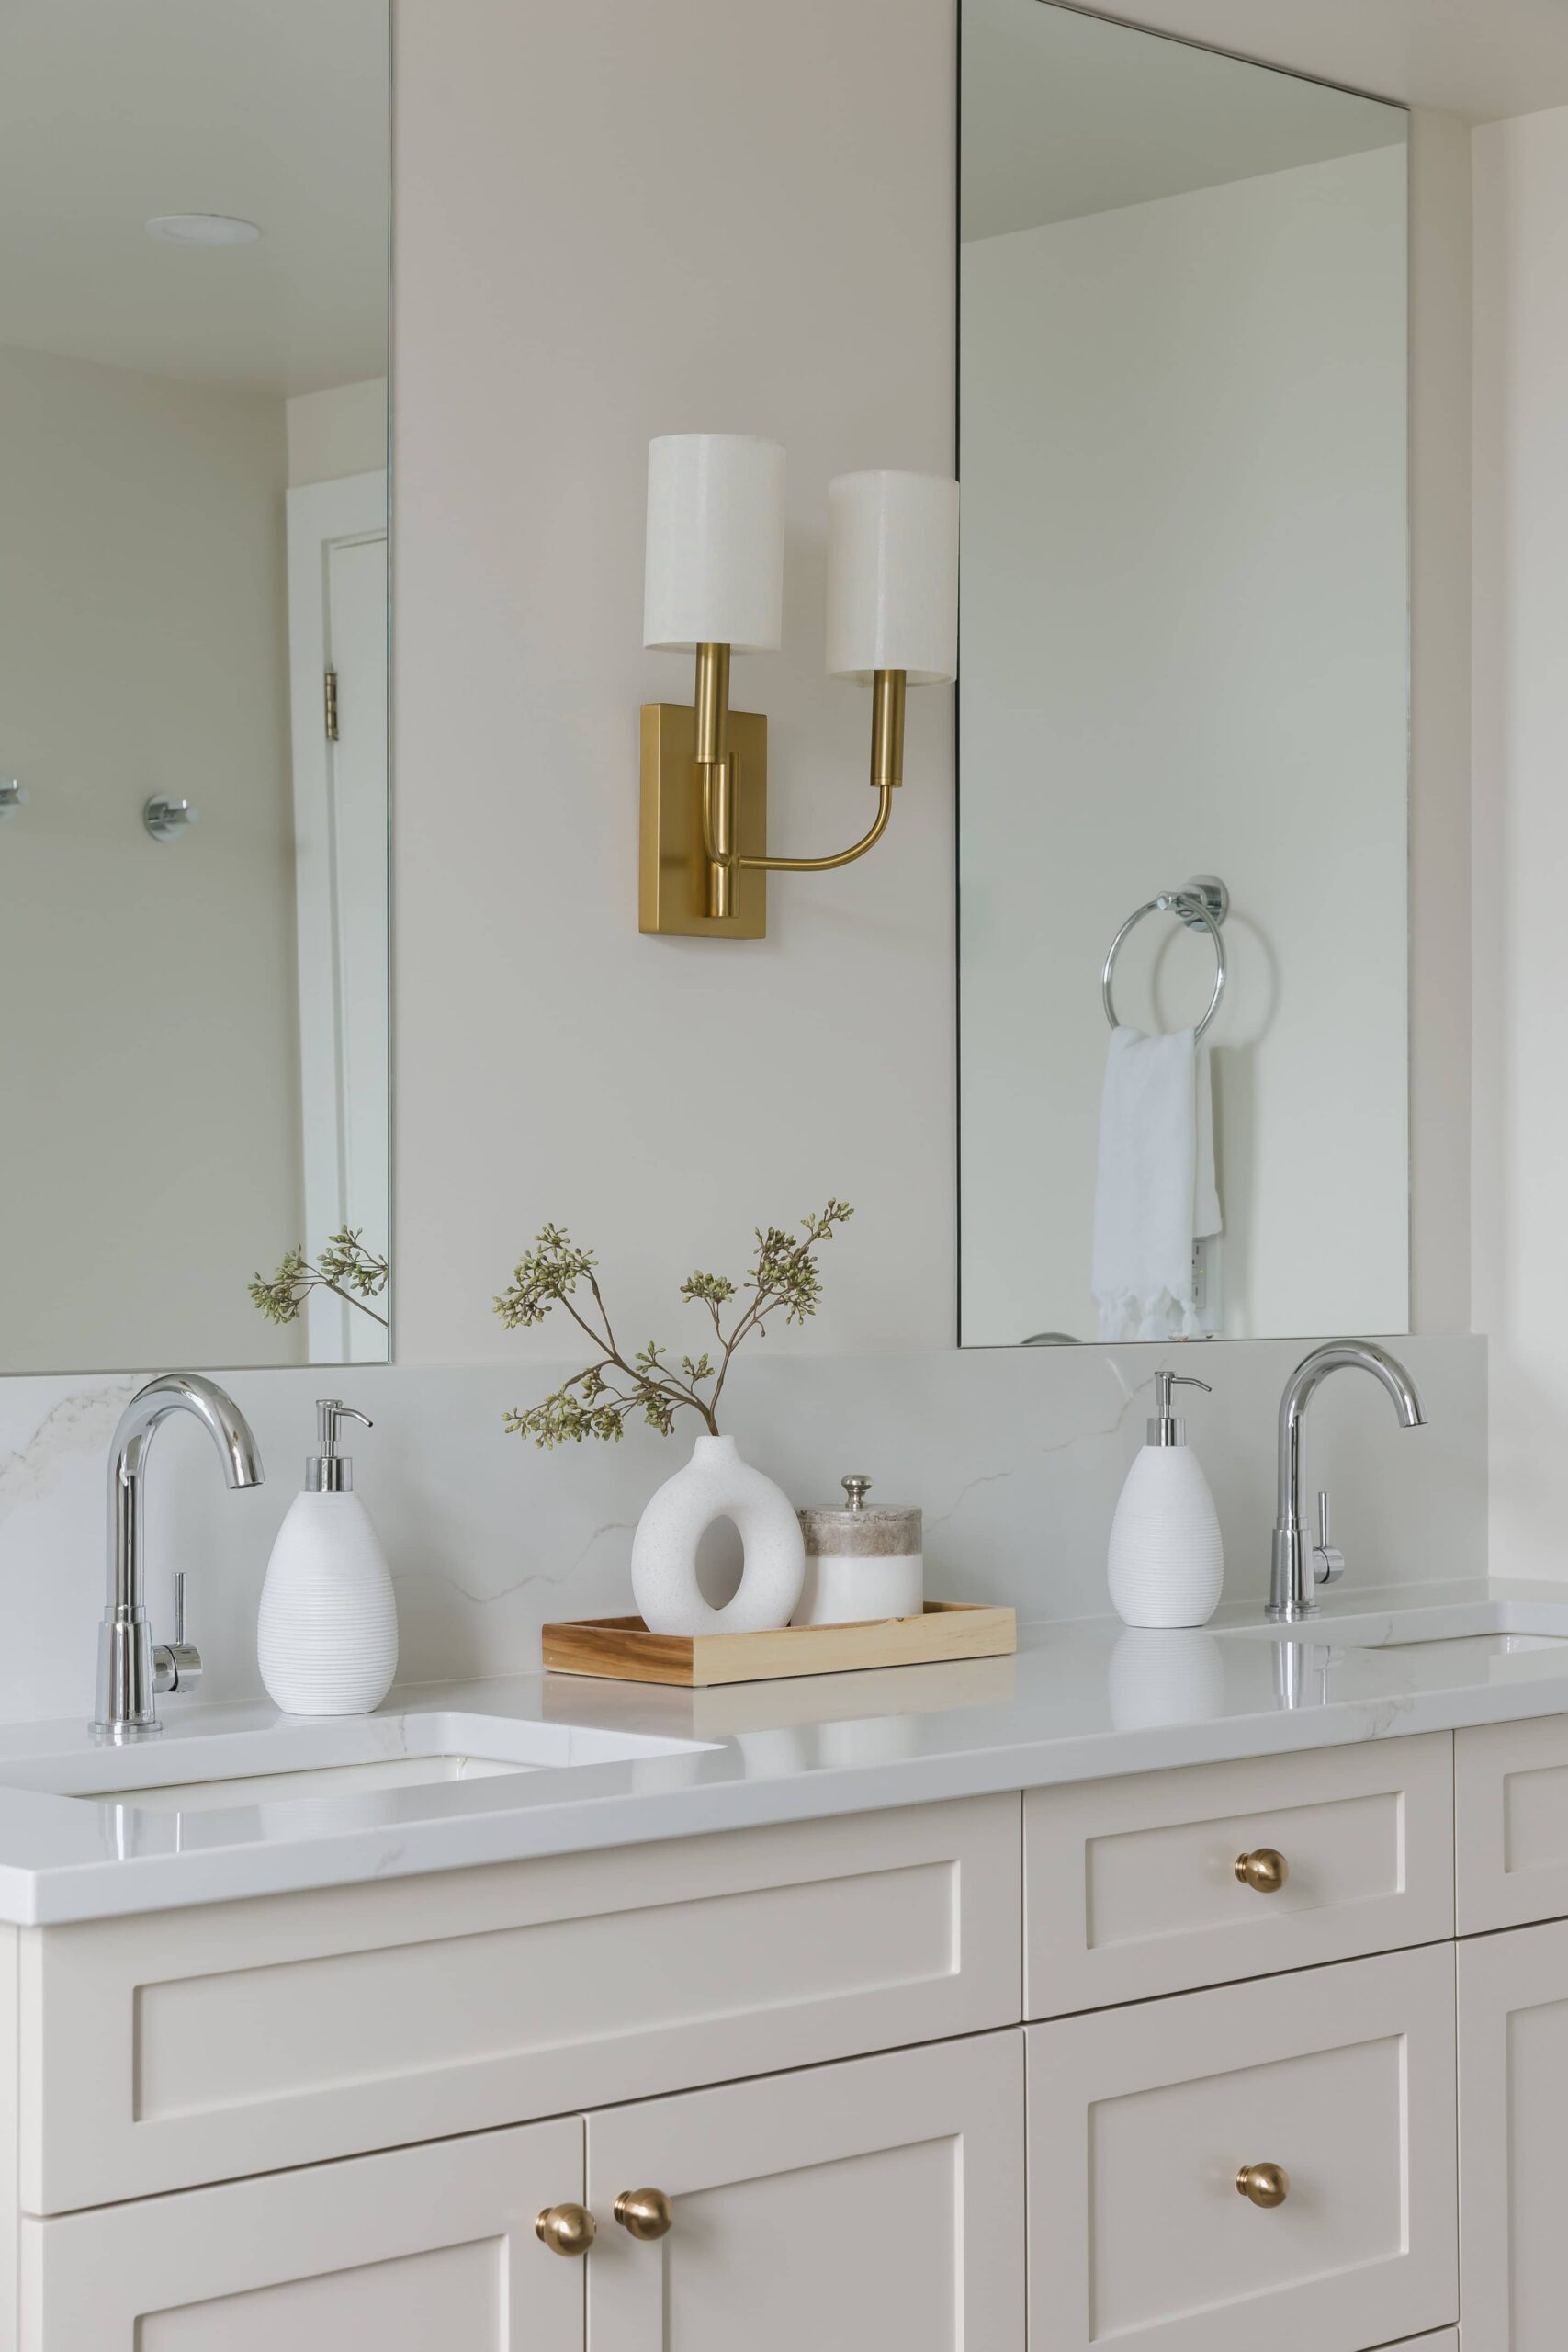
(327, 1636)
(1167, 1561)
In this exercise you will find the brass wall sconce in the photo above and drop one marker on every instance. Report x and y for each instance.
(715, 586)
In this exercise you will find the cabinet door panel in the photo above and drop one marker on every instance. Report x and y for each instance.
(1140, 2118)
(424, 2248)
(1513, 2072)
(879, 2202)
(1511, 1823)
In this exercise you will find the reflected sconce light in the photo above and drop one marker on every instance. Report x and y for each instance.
(715, 586)
(12, 797)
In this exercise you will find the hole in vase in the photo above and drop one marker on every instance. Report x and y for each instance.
(720, 1558)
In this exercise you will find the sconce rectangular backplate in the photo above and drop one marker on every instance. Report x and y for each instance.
(674, 883)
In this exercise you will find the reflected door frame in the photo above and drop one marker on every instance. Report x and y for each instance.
(325, 518)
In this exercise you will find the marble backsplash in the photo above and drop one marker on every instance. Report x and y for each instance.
(1016, 1456)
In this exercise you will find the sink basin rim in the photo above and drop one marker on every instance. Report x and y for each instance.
(1424, 1624)
(298, 1746)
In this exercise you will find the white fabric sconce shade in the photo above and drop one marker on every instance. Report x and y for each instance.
(715, 561)
(893, 576)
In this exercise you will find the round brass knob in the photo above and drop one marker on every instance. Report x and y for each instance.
(644, 2213)
(1267, 2185)
(1265, 1871)
(566, 2229)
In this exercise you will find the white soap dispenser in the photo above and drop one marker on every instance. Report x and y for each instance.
(1166, 1561)
(327, 1636)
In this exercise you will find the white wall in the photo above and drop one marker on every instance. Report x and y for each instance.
(148, 1055)
(617, 222)
(1185, 651)
(575, 270)
(340, 431)
(662, 1096)
(1521, 823)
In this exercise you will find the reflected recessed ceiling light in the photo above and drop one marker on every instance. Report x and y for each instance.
(201, 229)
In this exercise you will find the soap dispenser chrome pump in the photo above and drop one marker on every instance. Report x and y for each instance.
(1166, 1561)
(327, 1635)
(328, 1472)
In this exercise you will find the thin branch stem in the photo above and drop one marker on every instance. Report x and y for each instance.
(349, 1298)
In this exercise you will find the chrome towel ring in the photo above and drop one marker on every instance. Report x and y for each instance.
(1202, 904)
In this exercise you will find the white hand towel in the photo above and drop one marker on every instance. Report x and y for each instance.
(1155, 1189)
(1207, 1220)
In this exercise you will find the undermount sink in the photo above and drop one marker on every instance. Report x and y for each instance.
(1476, 1646)
(1447, 1645)
(357, 1756)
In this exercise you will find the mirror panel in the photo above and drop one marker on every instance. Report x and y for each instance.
(1183, 394)
(193, 510)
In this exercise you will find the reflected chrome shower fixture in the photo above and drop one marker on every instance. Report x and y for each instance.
(166, 820)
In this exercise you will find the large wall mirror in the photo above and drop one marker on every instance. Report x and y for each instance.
(193, 673)
(1184, 702)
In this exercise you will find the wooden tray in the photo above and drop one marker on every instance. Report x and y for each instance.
(622, 1648)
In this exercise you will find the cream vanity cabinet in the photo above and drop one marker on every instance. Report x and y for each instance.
(816, 2209)
(1331, 2087)
(334, 2116)
(1511, 1821)
(1205, 2073)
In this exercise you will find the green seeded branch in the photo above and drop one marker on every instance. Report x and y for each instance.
(599, 1400)
(345, 1267)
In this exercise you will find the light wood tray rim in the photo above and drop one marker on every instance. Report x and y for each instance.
(622, 1649)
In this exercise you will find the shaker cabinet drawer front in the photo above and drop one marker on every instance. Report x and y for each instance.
(1328, 2097)
(423, 2248)
(175, 2048)
(1511, 1823)
(1135, 1887)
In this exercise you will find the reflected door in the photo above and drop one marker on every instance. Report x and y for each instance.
(338, 534)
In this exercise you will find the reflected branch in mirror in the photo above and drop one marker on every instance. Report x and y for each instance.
(345, 1268)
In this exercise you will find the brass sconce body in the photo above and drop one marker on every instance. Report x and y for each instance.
(704, 858)
(713, 583)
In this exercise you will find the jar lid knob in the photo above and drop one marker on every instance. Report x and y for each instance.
(857, 1488)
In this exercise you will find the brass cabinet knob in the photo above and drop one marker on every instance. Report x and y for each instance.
(644, 2213)
(1265, 1871)
(566, 2229)
(1267, 2185)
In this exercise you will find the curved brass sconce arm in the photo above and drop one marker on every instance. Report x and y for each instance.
(824, 865)
(705, 804)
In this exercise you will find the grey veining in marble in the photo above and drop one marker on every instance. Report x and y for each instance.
(1016, 1456)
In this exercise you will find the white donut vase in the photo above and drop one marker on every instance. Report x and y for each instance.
(717, 1484)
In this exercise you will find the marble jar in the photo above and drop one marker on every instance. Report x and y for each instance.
(863, 1560)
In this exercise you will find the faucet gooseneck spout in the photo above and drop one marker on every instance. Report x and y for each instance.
(1289, 1597)
(131, 1672)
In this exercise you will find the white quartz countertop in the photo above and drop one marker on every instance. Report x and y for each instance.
(1079, 1701)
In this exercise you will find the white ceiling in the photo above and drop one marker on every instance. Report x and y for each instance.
(274, 110)
(1065, 114)
(1483, 59)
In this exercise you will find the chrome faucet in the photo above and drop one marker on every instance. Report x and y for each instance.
(131, 1672)
(1289, 1592)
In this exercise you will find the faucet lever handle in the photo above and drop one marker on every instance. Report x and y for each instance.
(1328, 1565)
(176, 1664)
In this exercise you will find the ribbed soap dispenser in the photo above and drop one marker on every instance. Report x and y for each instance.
(1166, 1561)
(327, 1636)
